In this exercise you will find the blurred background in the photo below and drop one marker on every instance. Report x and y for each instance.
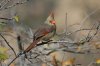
(34, 13)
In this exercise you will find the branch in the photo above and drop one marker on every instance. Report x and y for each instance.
(15, 4)
(78, 31)
(8, 44)
(4, 3)
(89, 38)
(14, 59)
(6, 18)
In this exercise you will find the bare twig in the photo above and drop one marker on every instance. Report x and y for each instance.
(88, 36)
(97, 30)
(66, 28)
(8, 44)
(14, 59)
(6, 18)
(4, 3)
(15, 4)
(75, 31)
(79, 31)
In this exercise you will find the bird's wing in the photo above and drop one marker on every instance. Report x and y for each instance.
(41, 32)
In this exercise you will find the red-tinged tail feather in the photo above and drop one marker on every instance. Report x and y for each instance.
(31, 46)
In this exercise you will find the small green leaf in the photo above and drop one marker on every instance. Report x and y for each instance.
(16, 18)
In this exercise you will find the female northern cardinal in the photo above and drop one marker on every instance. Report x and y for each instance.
(43, 33)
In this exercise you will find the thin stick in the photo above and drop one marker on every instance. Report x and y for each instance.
(5, 18)
(66, 23)
(18, 3)
(8, 44)
(14, 59)
(82, 22)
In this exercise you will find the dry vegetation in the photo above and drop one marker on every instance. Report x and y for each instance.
(76, 42)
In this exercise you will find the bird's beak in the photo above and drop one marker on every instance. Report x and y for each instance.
(52, 21)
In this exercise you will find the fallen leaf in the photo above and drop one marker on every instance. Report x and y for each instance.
(68, 62)
(98, 61)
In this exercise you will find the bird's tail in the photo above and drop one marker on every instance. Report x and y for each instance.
(32, 45)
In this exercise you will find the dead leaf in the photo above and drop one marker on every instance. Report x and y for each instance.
(98, 61)
(44, 64)
(68, 62)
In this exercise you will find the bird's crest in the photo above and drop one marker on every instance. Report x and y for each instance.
(52, 21)
(52, 15)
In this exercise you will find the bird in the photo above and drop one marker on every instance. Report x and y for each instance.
(44, 33)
